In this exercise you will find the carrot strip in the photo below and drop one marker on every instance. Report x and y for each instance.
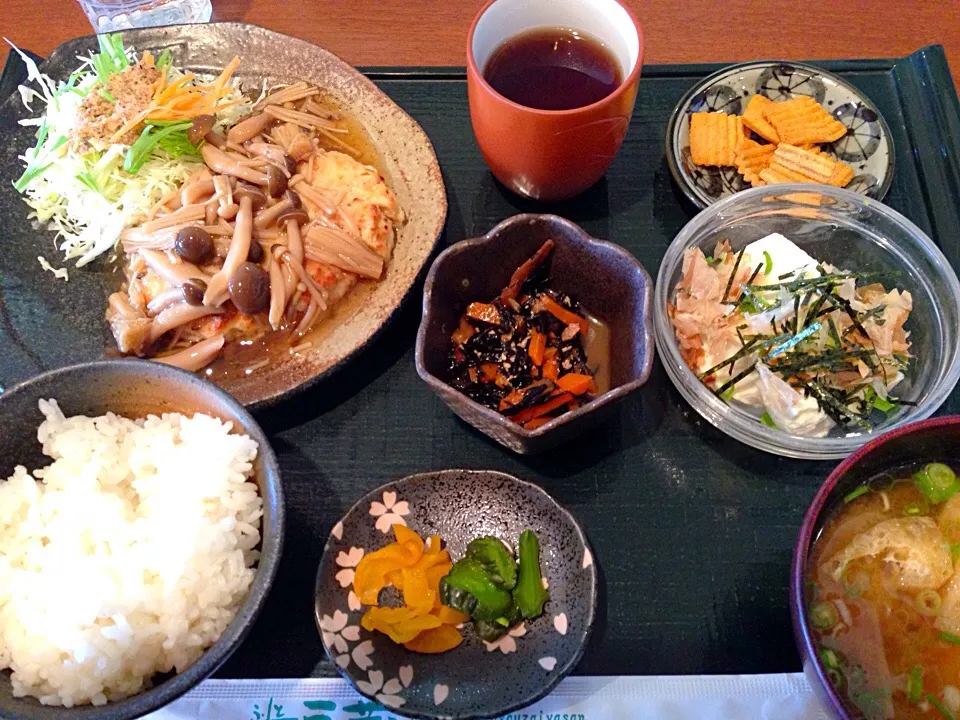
(575, 383)
(464, 332)
(536, 411)
(538, 345)
(484, 313)
(488, 371)
(537, 422)
(550, 367)
(523, 273)
(562, 314)
(472, 372)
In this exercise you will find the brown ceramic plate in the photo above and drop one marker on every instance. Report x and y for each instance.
(47, 323)
(609, 282)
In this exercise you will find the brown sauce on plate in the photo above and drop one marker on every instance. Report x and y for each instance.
(244, 358)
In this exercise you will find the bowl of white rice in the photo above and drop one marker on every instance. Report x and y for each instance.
(141, 526)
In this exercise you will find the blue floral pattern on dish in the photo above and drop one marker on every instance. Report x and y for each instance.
(866, 145)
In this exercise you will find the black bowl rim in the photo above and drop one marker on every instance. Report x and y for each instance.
(556, 677)
(612, 395)
(671, 154)
(272, 544)
(801, 629)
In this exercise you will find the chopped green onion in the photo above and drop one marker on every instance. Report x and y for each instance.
(830, 659)
(34, 171)
(824, 615)
(950, 638)
(768, 263)
(87, 179)
(937, 482)
(851, 496)
(139, 152)
(727, 395)
(954, 552)
(164, 59)
(105, 94)
(29, 175)
(914, 508)
(928, 603)
(835, 677)
(767, 420)
(940, 708)
(915, 685)
(111, 59)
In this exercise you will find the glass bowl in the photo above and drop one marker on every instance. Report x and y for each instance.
(851, 232)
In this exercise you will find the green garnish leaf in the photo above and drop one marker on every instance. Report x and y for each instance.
(767, 420)
(768, 263)
(727, 395)
(940, 708)
(165, 59)
(851, 496)
(915, 685)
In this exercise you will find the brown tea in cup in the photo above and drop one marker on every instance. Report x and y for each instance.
(553, 69)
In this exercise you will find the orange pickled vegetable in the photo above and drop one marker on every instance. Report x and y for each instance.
(575, 383)
(415, 568)
(436, 640)
(397, 624)
(449, 616)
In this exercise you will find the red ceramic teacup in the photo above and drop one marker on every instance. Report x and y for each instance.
(552, 154)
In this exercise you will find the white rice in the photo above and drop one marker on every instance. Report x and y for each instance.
(127, 556)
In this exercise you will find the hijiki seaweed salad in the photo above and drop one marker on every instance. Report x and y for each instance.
(241, 219)
(811, 346)
(525, 354)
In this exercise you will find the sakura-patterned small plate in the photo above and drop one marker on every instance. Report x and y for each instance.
(867, 147)
(477, 679)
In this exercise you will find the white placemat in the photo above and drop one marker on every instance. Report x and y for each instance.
(686, 697)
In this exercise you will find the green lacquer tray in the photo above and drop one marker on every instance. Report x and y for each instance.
(692, 531)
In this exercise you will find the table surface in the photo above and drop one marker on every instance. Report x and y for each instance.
(692, 551)
(433, 32)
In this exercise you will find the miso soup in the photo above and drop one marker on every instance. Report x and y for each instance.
(883, 596)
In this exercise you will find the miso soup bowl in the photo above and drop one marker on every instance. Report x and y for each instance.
(552, 154)
(905, 447)
(609, 282)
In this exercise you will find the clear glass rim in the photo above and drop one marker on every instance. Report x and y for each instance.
(739, 425)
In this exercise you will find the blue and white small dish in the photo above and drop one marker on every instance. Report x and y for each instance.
(867, 147)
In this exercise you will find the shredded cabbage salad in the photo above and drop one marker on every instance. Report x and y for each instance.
(86, 195)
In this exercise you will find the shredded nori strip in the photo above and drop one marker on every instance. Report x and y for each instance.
(733, 274)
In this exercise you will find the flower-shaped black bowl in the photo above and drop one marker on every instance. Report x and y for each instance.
(604, 277)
